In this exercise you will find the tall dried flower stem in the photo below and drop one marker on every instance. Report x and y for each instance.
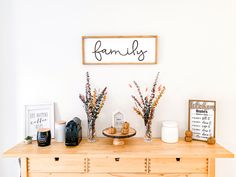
(93, 104)
(147, 104)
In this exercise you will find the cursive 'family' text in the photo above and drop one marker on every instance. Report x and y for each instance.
(99, 51)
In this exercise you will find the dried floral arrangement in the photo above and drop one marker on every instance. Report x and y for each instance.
(93, 103)
(145, 105)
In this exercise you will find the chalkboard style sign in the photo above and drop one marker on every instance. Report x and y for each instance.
(38, 117)
(119, 49)
(202, 119)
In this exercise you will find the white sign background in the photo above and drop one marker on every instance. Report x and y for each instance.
(121, 44)
(202, 121)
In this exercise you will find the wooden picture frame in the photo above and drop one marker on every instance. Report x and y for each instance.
(202, 119)
(107, 50)
(39, 116)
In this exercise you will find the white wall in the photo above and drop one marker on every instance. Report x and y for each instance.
(8, 115)
(196, 60)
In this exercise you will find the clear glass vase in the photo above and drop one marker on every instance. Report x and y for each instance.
(91, 131)
(148, 132)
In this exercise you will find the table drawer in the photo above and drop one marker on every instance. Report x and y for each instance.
(57, 164)
(113, 175)
(178, 165)
(117, 165)
(57, 175)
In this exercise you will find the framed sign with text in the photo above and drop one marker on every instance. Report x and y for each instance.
(119, 49)
(39, 116)
(118, 120)
(202, 119)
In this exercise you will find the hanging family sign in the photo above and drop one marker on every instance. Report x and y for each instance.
(202, 119)
(119, 49)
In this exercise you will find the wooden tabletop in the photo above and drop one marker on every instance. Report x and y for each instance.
(134, 147)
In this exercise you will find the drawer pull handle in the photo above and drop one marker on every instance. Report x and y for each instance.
(117, 159)
(56, 158)
(178, 159)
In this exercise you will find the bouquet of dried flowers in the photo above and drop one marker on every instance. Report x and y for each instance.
(145, 105)
(93, 103)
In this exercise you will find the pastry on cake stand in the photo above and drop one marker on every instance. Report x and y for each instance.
(118, 137)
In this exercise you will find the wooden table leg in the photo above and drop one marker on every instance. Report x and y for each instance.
(24, 167)
(211, 167)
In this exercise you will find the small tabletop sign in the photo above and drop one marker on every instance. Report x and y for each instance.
(37, 117)
(119, 49)
(202, 119)
(118, 120)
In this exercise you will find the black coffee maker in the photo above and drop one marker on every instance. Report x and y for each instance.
(73, 132)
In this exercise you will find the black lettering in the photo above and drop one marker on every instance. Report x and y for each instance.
(97, 54)
(134, 51)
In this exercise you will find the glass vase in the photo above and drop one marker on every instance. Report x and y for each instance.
(91, 131)
(148, 132)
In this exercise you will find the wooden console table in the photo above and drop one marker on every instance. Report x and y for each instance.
(134, 159)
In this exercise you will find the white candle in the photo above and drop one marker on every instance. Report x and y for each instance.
(169, 132)
(60, 131)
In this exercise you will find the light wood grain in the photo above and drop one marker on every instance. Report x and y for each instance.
(134, 159)
(24, 167)
(156, 54)
(116, 165)
(211, 167)
(171, 165)
(112, 175)
(122, 36)
(134, 147)
(56, 164)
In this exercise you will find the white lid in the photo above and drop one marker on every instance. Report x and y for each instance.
(170, 123)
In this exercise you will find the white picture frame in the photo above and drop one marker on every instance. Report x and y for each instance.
(102, 50)
(118, 120)
(39, 116)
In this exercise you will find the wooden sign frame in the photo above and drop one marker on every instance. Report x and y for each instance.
(114, 52)
(204, 106)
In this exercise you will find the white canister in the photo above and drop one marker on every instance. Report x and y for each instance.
(169, 132)
(60, 130)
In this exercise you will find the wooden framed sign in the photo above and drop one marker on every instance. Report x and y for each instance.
(202, 119)
(119, 49)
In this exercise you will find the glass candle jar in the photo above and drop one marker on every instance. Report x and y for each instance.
(169, 132)
(44, 137)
